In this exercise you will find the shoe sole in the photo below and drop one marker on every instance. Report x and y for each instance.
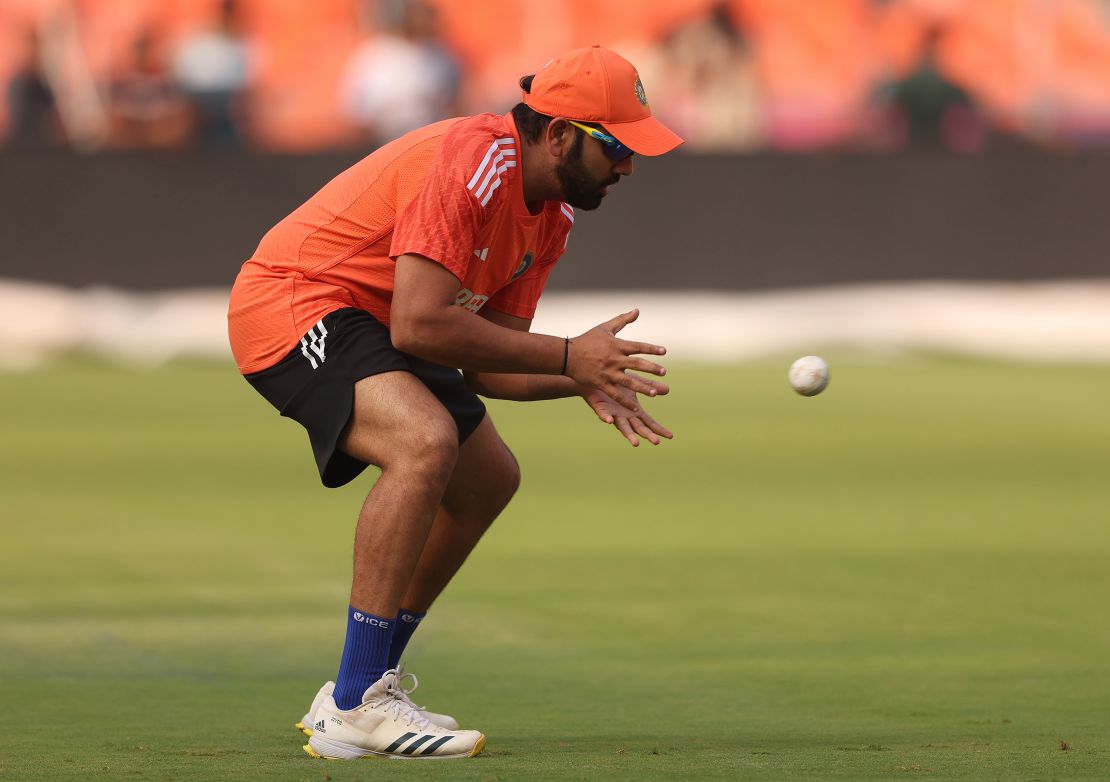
(349, 752)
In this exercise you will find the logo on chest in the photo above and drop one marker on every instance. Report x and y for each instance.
(525, 264)
(469, 300)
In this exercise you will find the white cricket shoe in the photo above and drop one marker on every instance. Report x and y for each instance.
(386, 724)
(442, 720)
(305, 725)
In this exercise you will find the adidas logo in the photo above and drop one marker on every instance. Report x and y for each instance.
(313, 343)
(481, 254)
(418, 744)
(319, 726)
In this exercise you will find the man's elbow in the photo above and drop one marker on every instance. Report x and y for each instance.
(401, 335)
(406, 339)
(411, 332)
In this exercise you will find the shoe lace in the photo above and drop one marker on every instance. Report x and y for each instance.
(397, 701)
(404, 692)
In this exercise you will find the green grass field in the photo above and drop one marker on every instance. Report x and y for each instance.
(907, 577)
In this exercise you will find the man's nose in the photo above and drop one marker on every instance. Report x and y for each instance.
(625, 167)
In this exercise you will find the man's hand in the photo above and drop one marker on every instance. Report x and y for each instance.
(600, 360)
(620, 415)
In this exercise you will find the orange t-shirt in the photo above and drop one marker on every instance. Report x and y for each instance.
(450, 191)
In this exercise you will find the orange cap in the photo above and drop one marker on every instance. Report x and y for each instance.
(598, 85)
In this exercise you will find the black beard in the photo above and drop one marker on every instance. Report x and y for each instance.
(580, 190)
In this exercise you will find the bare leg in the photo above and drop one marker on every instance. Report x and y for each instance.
(401, 427)
(485, 478)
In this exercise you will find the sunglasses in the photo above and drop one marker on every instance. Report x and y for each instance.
(613, 149)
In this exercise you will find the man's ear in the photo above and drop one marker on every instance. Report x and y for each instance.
(558, 137)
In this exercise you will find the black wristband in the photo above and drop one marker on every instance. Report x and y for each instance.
(566, 354)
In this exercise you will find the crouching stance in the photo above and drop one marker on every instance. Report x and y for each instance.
(356, 314)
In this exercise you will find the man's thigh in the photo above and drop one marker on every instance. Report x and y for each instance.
(350, 353)
(395, 415)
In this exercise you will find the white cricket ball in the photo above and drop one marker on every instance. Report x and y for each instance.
(809, 375)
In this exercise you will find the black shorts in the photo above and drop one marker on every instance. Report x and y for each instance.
(315, 385)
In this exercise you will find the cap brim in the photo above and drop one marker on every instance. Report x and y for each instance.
(646, 136)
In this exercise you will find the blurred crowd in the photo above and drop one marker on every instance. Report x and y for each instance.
(788, 75)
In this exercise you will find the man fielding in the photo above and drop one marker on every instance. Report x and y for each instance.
(355, 311)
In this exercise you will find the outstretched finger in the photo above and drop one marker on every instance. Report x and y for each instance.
(637, 384)
(616, 324)
(643, 365)
(604, 415)
(620, 395)
(644, 432)
(626, 429)
(655, 426)
(630, 348)
(643, 385)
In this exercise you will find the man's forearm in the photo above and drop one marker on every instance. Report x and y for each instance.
(522, 388)
(455, 337)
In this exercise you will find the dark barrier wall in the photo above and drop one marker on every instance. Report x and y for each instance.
(147, 222)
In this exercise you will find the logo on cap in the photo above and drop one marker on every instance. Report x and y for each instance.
(640, 94)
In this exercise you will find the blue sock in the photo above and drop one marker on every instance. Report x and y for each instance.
(407, 622)
(365, 656)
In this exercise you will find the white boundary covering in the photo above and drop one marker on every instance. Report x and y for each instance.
(1041, 321)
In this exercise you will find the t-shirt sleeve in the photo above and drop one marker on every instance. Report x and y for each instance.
(443, 220)
(520, 297)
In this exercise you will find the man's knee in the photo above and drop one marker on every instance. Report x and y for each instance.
(510, 479)
(482, 491)
(431, 449)
(503, 483)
